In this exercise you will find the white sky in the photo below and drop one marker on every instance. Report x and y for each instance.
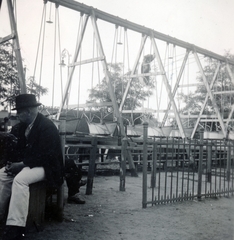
(205, 23)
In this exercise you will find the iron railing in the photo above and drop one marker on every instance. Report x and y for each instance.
(185, 169)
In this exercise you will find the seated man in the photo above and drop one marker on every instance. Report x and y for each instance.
(38, 157)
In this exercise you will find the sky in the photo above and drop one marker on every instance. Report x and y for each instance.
(204, 23)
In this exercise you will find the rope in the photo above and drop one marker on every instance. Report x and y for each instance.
(42, 54)
(93, 62)
(78, 97)
(124, 46)
(55, 42)
(98, 66)
(160, 98)
(114, 43)
(60, 56)
(38, 46)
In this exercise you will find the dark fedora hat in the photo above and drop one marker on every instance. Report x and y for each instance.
(25, 101)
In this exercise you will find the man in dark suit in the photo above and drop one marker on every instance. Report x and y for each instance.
(38, 157)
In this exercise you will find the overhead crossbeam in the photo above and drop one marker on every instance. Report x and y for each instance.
(138, 28)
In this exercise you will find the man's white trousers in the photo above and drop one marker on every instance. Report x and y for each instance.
(15, 191)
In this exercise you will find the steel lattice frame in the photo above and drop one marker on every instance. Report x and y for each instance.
(94, 15)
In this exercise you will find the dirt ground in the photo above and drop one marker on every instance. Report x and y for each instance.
(114, 215)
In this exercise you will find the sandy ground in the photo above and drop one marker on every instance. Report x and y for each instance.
(114, 215)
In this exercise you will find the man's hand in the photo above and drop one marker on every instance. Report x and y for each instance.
(14, 168)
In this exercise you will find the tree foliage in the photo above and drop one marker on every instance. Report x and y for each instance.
(138, 91)
(9, 81)
(194, 101)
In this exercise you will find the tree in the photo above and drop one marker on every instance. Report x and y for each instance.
(9, 82)
(137, 93)
(194, 101)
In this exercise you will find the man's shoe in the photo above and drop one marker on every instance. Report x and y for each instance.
(13, 233)
(75, 199)
(82, 183)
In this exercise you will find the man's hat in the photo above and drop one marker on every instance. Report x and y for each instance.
(25, 101)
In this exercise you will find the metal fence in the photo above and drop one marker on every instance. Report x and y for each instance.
(184, 169)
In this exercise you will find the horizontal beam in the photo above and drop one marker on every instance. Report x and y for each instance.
(224, 92)
(145, 110)
(191, 85)
(82, 8)
(86, 61)
(196, 116)
(89, 105)
(146, 74)
(7, 38)
(214, 120)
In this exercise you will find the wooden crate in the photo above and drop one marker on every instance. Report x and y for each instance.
(37, 200)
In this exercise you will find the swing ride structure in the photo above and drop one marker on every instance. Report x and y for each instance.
(172, 65)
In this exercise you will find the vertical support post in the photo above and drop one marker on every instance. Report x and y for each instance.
(228, 162)
(123, 164)
(17, 48)
(60, 192)
(144, 179)
(106, 71)
(209, 161)
(199, 187)
(91, 170)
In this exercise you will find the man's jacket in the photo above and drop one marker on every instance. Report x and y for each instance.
(42, 148)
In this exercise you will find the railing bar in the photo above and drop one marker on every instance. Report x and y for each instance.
(159, 170)
(189, 153)
(232, 163)
(172, 167)
(206, 163)
(165, 171)
(184, 150)
(154, 157)
(220, 172)
(177, 175)
(216, 165)
(224, 168)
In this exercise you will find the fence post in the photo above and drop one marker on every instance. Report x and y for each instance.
(91, 170)
(144, 179)
(209, 160)
(228, 161)
(60, 192)
(123, 164)
(199, 187)
(153, 170)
